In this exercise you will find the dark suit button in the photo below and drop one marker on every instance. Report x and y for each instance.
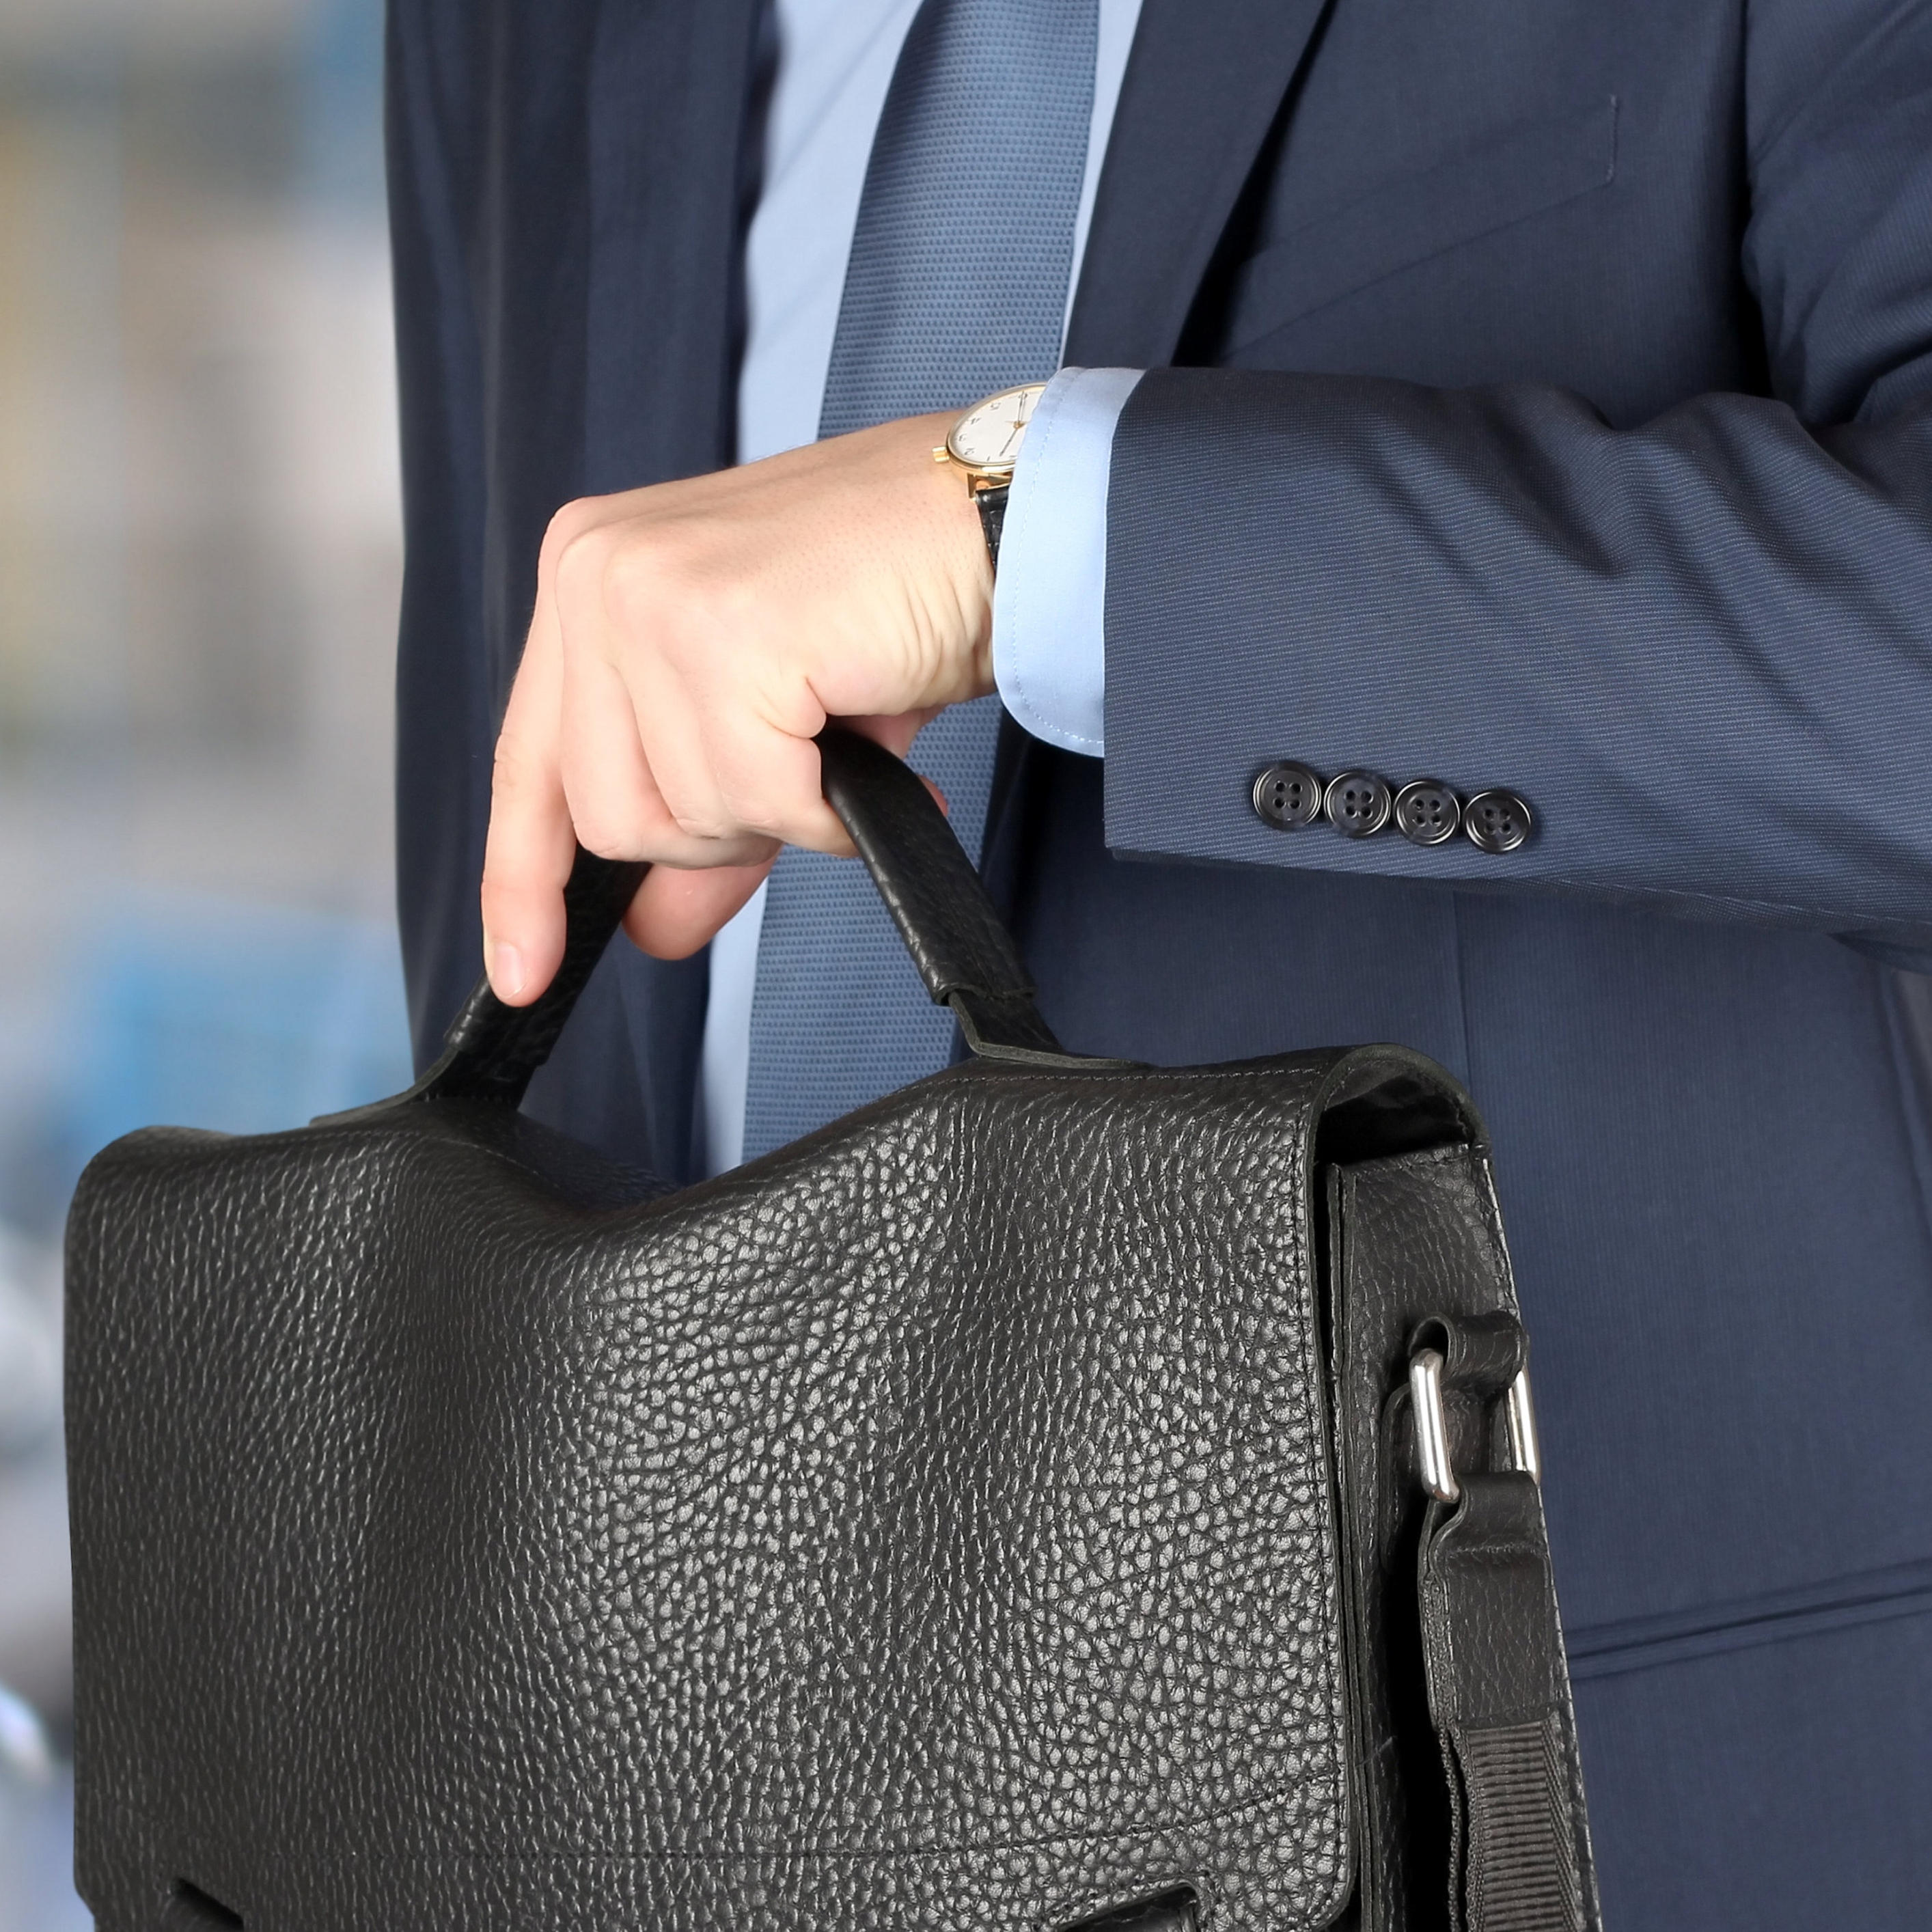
(1358, 803)
(1427, 812)
(1289, 796)
(1497, 821)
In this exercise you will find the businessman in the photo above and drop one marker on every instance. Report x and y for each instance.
(1470, 584)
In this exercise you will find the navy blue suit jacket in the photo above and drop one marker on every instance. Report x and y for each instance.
(1553, 410)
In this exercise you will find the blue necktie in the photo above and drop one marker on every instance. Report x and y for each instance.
(956, 287)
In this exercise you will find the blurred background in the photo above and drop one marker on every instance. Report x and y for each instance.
(199, 560)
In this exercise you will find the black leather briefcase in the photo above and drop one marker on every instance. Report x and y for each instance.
(1064, 1491)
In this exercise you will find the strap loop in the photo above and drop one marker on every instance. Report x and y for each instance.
(1482, 1356)
(1492, 1647)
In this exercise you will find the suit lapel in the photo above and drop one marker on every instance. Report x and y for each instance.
(1203, 85)
(670, 86)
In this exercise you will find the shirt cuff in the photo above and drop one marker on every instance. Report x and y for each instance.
(1050, 594)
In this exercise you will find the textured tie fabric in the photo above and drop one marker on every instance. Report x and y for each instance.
(956, 287)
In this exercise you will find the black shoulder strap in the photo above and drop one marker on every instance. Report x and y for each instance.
(1492, 1647)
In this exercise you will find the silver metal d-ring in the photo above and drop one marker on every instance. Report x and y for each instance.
(1524, 1451)
(1432, 1427)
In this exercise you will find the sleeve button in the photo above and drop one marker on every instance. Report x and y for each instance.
(1427, 812)
(1358, 804)
(1497, 821)
(1287, 797)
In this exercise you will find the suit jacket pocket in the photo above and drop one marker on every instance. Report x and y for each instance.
(1532, 168)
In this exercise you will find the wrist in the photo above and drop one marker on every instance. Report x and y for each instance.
(960, 559)
(982, 448)
(918, 583)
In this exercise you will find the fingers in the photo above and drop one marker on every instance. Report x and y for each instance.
(612, 793)
(689, 640)
(531, 846)
(771, 778)
(673, 748)
(676, 911)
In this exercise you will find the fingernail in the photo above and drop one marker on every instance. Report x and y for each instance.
(508, 973)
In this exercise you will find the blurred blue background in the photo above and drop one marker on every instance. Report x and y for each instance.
(199, 559)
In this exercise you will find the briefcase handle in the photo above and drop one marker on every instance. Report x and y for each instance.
(963, 952)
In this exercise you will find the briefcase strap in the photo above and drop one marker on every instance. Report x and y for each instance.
(963, 952)
(1497, 1683)
(1492, 1647)
(491, 1050)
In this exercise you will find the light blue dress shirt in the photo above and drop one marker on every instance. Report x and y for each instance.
(1048, 647)
(834, 62)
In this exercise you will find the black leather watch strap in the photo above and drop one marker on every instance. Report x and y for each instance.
(992, 505)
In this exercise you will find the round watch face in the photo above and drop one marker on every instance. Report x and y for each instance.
(988, 436)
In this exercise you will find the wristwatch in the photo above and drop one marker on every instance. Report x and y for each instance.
(985, 444)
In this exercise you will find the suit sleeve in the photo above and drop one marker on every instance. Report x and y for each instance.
(1701, 648)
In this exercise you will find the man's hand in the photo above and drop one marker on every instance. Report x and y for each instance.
(689, 641)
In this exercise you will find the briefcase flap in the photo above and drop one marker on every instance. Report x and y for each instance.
(931, 1524)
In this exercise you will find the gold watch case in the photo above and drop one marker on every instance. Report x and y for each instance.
(985, 443)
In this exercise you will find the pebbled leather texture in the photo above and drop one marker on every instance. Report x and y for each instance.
(930, 1524)
(972, 1513)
